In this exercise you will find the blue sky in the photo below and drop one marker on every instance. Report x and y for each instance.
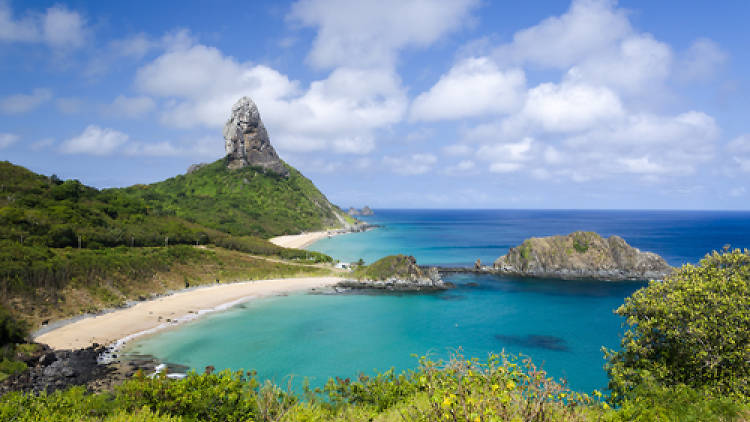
(426, 104)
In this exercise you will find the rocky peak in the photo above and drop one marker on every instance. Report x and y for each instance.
(246, 140)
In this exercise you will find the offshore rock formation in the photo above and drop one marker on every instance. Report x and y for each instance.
(364, 211)
(397, 272)
(582, 255)
(246, 140)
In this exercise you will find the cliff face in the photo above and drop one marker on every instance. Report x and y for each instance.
(246, 140)
(582, 255)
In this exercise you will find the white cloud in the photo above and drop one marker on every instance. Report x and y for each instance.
(506, 157)
(369, 33)
(95, 141)
(100, 141)
(63, 28)
(571, 106)
(413, 164)
(16, 30)
(7, 139)
(58, 27)
(588, 27)
(131, 106)
(134, 46)
(22, 103)
(739, 151)
(701, 60)
(638, 64)
(473, 87)
(338, 113)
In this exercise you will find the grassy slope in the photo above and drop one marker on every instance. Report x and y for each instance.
(44, 275)
(242, 202)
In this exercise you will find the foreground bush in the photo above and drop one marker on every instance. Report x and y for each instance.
(500, 389)
(691, 329)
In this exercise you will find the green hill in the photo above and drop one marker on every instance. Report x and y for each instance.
(245, 201)
(67, 248)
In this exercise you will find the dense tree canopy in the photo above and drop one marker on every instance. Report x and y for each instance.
(692, 328)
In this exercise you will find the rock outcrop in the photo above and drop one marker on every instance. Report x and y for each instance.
(246, 140)
(582, 255)
(364, 211)
(50, 370)
(397, 272)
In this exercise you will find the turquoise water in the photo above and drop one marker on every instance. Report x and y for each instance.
(562, 325)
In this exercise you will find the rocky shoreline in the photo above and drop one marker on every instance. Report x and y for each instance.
(51, 370)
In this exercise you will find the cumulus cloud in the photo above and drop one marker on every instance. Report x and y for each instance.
(131, 107)
(588, 27)
(410, 165)
(338, 113)
(473, 87)
(569, 107)
(57, 26)
(22, 103)
(701, 60)
(370, 33)
(507, 157)
(7, 139)
(94, 141)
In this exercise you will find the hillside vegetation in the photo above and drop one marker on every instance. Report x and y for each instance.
(245, 201)
(67, 248)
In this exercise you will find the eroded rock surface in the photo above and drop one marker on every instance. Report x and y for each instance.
(247, 142)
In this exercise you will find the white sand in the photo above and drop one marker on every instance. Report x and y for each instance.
(299, 241)
(145, 316)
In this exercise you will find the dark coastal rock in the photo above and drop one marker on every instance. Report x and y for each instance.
(247, 142)
(51, 370)
(399, 273)
(582, 255)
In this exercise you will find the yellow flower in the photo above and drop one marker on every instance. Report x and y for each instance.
(510, 385)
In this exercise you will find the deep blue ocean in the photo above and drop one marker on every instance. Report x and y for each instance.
(561, 325)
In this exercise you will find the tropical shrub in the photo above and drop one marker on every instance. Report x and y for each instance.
(691, 329)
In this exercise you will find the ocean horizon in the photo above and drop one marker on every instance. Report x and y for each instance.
(561, 325)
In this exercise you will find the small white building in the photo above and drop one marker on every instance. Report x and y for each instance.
(343, 265)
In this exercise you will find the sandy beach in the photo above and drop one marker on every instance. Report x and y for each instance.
(152, 315)
(298, 241)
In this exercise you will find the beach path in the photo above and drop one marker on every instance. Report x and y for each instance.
(148, 315)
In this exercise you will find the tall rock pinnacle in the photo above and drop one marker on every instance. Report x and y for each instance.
(246, 140)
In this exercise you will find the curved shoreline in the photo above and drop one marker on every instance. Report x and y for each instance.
(119, 326)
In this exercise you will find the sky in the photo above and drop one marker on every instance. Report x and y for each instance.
(394, 103)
